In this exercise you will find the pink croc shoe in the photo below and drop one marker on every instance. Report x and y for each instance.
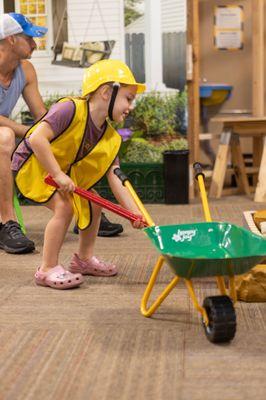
(58, 278)
(93, 266)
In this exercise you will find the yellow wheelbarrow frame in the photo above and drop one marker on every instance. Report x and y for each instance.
(148, 311)
(218, 313)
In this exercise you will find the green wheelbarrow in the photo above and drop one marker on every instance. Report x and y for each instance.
(196, 250)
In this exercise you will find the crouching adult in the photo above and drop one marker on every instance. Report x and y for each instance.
(17, 77)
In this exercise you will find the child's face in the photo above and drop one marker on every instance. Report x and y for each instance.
(124, 102)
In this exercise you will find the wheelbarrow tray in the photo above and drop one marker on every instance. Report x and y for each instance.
(207, 248)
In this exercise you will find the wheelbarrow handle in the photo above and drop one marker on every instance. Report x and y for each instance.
(125, 182)
(121, 175)
(198, 170)
(199, 176)
(88, 195)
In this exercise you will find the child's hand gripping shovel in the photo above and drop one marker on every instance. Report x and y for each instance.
(88, 195)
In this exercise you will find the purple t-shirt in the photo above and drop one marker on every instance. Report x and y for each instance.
(59, 117)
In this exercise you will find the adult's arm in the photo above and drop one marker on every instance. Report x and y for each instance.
(19, 129)
(32, 98)
(31, 92)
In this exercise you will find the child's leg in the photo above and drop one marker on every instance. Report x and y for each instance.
(88, 236)
(56, 229)
(84, 262)
(50, 273)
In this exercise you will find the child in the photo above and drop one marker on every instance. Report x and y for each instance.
(75, 144)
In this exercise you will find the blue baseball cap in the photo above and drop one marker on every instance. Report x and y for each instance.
(14, 23)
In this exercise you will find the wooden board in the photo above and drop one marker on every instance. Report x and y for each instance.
(193, 88)
(260, 194)
(219, 171)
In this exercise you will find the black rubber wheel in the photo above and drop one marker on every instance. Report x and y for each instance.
(222, 319)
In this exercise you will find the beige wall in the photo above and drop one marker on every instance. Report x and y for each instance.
(224, 66)
(231, 67)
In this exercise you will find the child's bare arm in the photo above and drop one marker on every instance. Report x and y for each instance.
(40, 143)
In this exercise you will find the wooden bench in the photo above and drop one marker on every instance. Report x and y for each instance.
(235, 127)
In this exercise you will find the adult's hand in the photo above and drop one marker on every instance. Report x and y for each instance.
(18, 129)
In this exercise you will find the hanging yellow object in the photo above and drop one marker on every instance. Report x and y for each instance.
(251, 287)
(260, 220)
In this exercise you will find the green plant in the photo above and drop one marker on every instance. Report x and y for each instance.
(26, 118)
(139, 150)
(49, 101)
(176, 144)
(156, 114)
(126, 143)
(130, 11)
(178, 106)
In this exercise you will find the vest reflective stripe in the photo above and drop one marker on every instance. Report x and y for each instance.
(85, 173)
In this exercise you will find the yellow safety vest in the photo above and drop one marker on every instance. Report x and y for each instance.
(85, 173)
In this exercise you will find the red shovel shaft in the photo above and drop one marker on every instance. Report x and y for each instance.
(99, 200)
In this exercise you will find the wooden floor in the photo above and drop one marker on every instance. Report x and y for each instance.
(92, 343)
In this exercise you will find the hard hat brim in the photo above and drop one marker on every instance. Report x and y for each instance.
(141, 87)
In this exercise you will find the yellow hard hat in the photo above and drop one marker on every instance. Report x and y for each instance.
(105, 71)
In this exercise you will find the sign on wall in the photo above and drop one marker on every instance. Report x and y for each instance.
(228, 27)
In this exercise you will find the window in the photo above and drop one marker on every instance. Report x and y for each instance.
(36, 11)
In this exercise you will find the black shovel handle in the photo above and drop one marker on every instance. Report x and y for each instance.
(121, 175)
